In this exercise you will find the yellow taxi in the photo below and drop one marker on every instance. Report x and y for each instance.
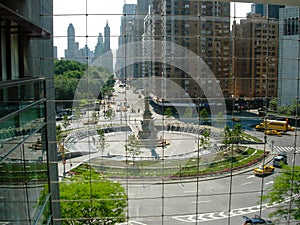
(273, 132)
(264, 170)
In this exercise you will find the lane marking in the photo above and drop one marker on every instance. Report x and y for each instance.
(131, 223)
(246, 183)
(270, 182)
(225, 214)
(204, 201)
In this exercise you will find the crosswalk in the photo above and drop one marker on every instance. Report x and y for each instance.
(285, 149)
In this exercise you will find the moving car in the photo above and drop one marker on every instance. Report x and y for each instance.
(256, 220)
(280, 159)
(273, 132)
(264, 170)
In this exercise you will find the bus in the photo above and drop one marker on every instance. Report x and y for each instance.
(274, 125)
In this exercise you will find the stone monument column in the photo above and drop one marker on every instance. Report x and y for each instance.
(148, 133)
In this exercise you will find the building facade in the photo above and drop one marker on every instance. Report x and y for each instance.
(267, 10)
(202, 28)
(289, 54)
(28, 151)
(255, 66)
(128, 34)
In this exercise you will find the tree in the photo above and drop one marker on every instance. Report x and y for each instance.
(88, 198)
(204, 115)
(237, 133)
(205, 139)
(110, 114)
(228, 135)
(102, 144)
(168, 112)
(66, 122)
(93, 81)
(133, 147)
(77, 113)
(273, 104)
(94, 117)
(286, 186)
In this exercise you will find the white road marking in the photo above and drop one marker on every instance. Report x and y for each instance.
(205, 201)
(250, 176)
(132, 223)
(225, 214)
(246, 183)
(270, 182)
(194, 191)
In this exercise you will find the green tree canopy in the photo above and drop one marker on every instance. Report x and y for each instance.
(168, 112)
(64, 66)
(95, 82)
(273, 104)
(204, 115)
(286, 188)
(89, 199)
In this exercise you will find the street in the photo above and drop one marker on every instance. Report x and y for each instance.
(213, 200)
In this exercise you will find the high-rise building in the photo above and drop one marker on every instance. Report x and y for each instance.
(99, 47)
(106, 38)
(202, 28)
(255, 64)
(270, 11)
(289, 54)
(83, 55)
(142, 9)
(28, 152)
(70, 52)
(128, 34)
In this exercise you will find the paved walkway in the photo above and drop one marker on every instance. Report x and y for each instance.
(182, 144)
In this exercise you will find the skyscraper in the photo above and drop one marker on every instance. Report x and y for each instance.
(70, 52)
(99, 46)
(106, 38)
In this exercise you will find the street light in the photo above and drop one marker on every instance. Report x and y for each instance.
(63, 157)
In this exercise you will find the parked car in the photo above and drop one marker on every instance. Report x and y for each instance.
(256, 220)
(264, 170)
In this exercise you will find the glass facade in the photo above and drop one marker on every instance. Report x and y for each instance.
(149, 112)
(28, 182)
(191, 79)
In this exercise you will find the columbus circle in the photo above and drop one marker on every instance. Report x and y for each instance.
(149, 123)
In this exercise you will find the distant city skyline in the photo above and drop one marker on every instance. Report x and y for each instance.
(87, 28)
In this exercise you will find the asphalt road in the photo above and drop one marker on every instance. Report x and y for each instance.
(199, 201)
(216, 201)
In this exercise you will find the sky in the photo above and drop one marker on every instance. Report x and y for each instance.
(98, 13)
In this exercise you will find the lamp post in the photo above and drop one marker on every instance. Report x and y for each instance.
(63, 157)
(272, 146)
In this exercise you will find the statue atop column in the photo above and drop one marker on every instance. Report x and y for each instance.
(148, 133)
